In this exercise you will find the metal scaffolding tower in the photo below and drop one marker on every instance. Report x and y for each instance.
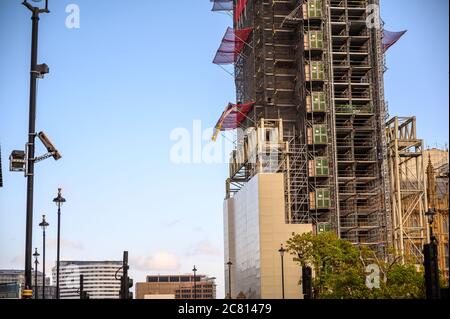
(408, 188)
(316, 66)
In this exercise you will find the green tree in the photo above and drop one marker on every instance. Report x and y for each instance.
(340, 269)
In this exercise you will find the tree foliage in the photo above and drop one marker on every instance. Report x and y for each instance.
(340, 269)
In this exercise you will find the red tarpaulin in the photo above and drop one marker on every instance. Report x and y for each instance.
(232, 117)
(240, 7)
(222, 5)
(390, 38)
(232, 44)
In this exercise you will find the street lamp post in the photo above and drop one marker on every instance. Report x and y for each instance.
(36, 263)
(43, 225)
(229, 263)
(35, 72)
(430, 252)
(81, 286)
(282, 251)
(195, 284)
(59, 200)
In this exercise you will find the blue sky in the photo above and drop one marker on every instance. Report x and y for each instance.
(119, 86)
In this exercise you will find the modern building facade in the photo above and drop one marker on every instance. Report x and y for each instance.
(11, 282)
(176, 287)
(255, 228)
(99, 279)
(18, 276)
(10, 291)
(311, 154)
(50, 292)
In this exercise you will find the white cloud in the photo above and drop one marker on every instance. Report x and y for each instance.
(159, 261)
(198, 229)
(203, 248)
(18, 260)
(172, 223)
(65, 244)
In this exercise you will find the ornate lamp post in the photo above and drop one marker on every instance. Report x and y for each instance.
(43, 225)
(229, 263)
(59, 201)
(36, 263)
(195, 282)
(282, 251)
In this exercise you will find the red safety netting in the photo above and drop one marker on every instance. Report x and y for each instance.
(240, 7)
(222, 5)
(232, 117)
(390, 38)
(232, 44)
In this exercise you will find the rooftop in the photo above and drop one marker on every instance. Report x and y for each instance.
(13, 272)
(96, 262)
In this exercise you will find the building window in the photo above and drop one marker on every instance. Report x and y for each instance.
(323, 227)
(315, 39)
(163, 279)
(446, 262)
(322, 166)
(316, 102)
(444, 223)
(320, 134)
(315, 8)
(323, 198)
(315, 71)
(175, 279)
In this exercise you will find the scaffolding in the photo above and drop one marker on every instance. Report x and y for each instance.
(315, 66)
(437, 195)
(268, 72)
(408, 188)
(352, 84)
(266, 149)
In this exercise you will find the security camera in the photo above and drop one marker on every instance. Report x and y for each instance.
(49, 145)
(42, 69)
(17, 161)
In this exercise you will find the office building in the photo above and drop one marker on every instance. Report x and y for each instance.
(176, 287)
(99, 279)
(12, 282)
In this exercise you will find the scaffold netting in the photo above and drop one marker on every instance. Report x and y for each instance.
(222, 5)
(232, 44)
(232, 117)
(240, 8)
(390, 38)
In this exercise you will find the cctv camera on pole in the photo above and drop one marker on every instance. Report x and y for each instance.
(25, 160)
